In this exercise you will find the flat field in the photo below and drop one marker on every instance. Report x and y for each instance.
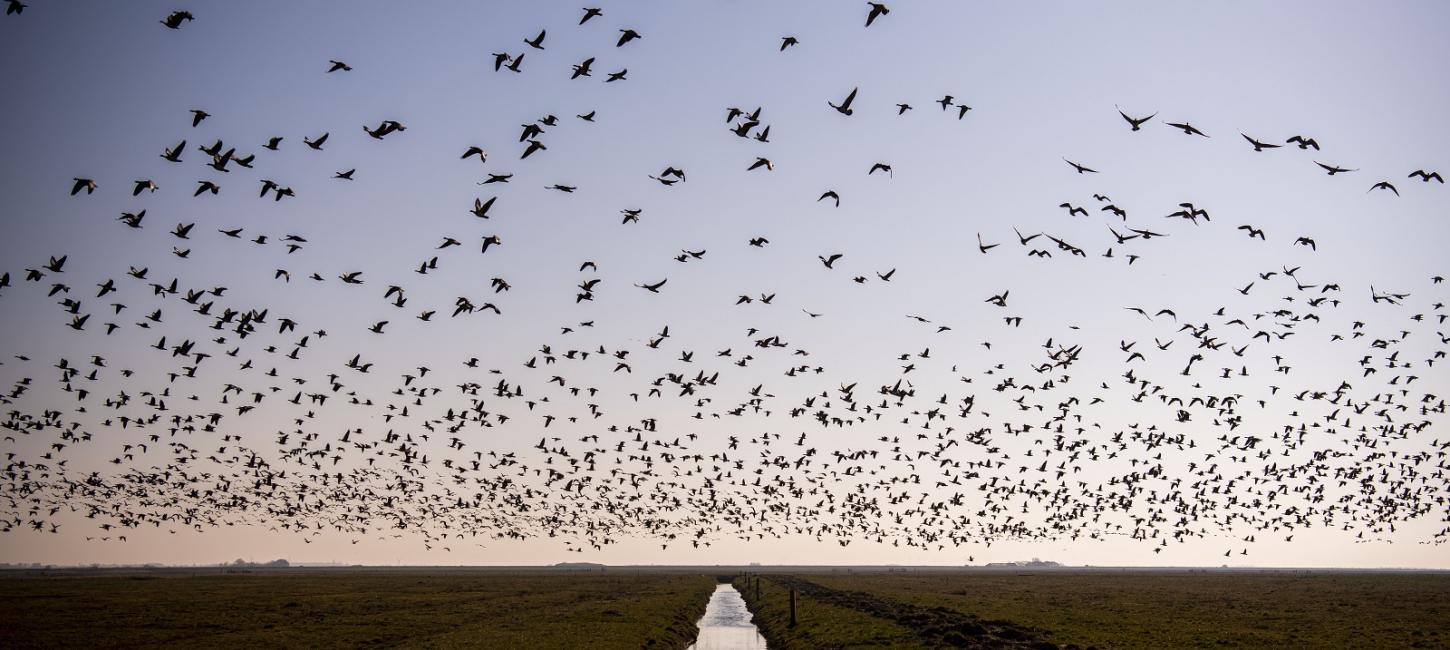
(657, 608)
(337, 608)
(1107, 609)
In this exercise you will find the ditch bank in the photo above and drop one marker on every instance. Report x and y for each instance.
(933, 627)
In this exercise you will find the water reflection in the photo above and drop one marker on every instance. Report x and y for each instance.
(726, 624)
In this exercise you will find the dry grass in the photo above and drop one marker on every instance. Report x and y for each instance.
(1189, 609)
(338, 608)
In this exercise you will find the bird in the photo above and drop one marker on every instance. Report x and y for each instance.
(338, 66)
(317, 142)
(582, 69)
(830, 194)
(174, 154)
(829, 260)
(536, 42)
(1333, 169)
(384, 128)
(346, 176)
(877, 10)
(481, 207)
(653, 288)
(1137, 122)
(1259, 146)
(83, 184)
(788, 41)
(1303, 142)
(515, 64)
(590, 12)
(845, 106)
(625, 36)
(1186, 128)
(197, 115)
(1426, 177)
(1383, 185)
(984, 247)
(1080, 169)
(175, 19)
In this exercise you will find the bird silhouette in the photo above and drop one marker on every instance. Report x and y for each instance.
(844, 107)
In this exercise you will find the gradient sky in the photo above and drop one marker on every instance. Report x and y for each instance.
(98, 90)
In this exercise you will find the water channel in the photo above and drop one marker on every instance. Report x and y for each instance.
(727, 624)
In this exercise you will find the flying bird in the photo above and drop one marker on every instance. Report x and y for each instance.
(1334, 169)
(877, 10)
(537, 42)
(845, 107)
(1303, 142)
(1136, 122)
(1186, 128)
(175, 19)
(1259, 146)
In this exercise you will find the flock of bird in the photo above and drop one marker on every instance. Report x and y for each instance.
(1239, 442)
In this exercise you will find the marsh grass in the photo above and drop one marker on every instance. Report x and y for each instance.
(1151, 610)
(354, 609)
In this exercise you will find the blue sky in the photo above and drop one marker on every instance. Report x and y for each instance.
(100, 89)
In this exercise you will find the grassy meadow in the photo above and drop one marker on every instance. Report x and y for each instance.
(658, 608)
(1127, 610)
(351, 609)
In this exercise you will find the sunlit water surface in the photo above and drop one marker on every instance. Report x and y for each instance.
(726, 624)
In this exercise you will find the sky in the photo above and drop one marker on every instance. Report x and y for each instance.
(100, 90)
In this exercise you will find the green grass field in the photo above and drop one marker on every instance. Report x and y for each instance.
(1129, 610)
(352, 609)
(622, 608)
